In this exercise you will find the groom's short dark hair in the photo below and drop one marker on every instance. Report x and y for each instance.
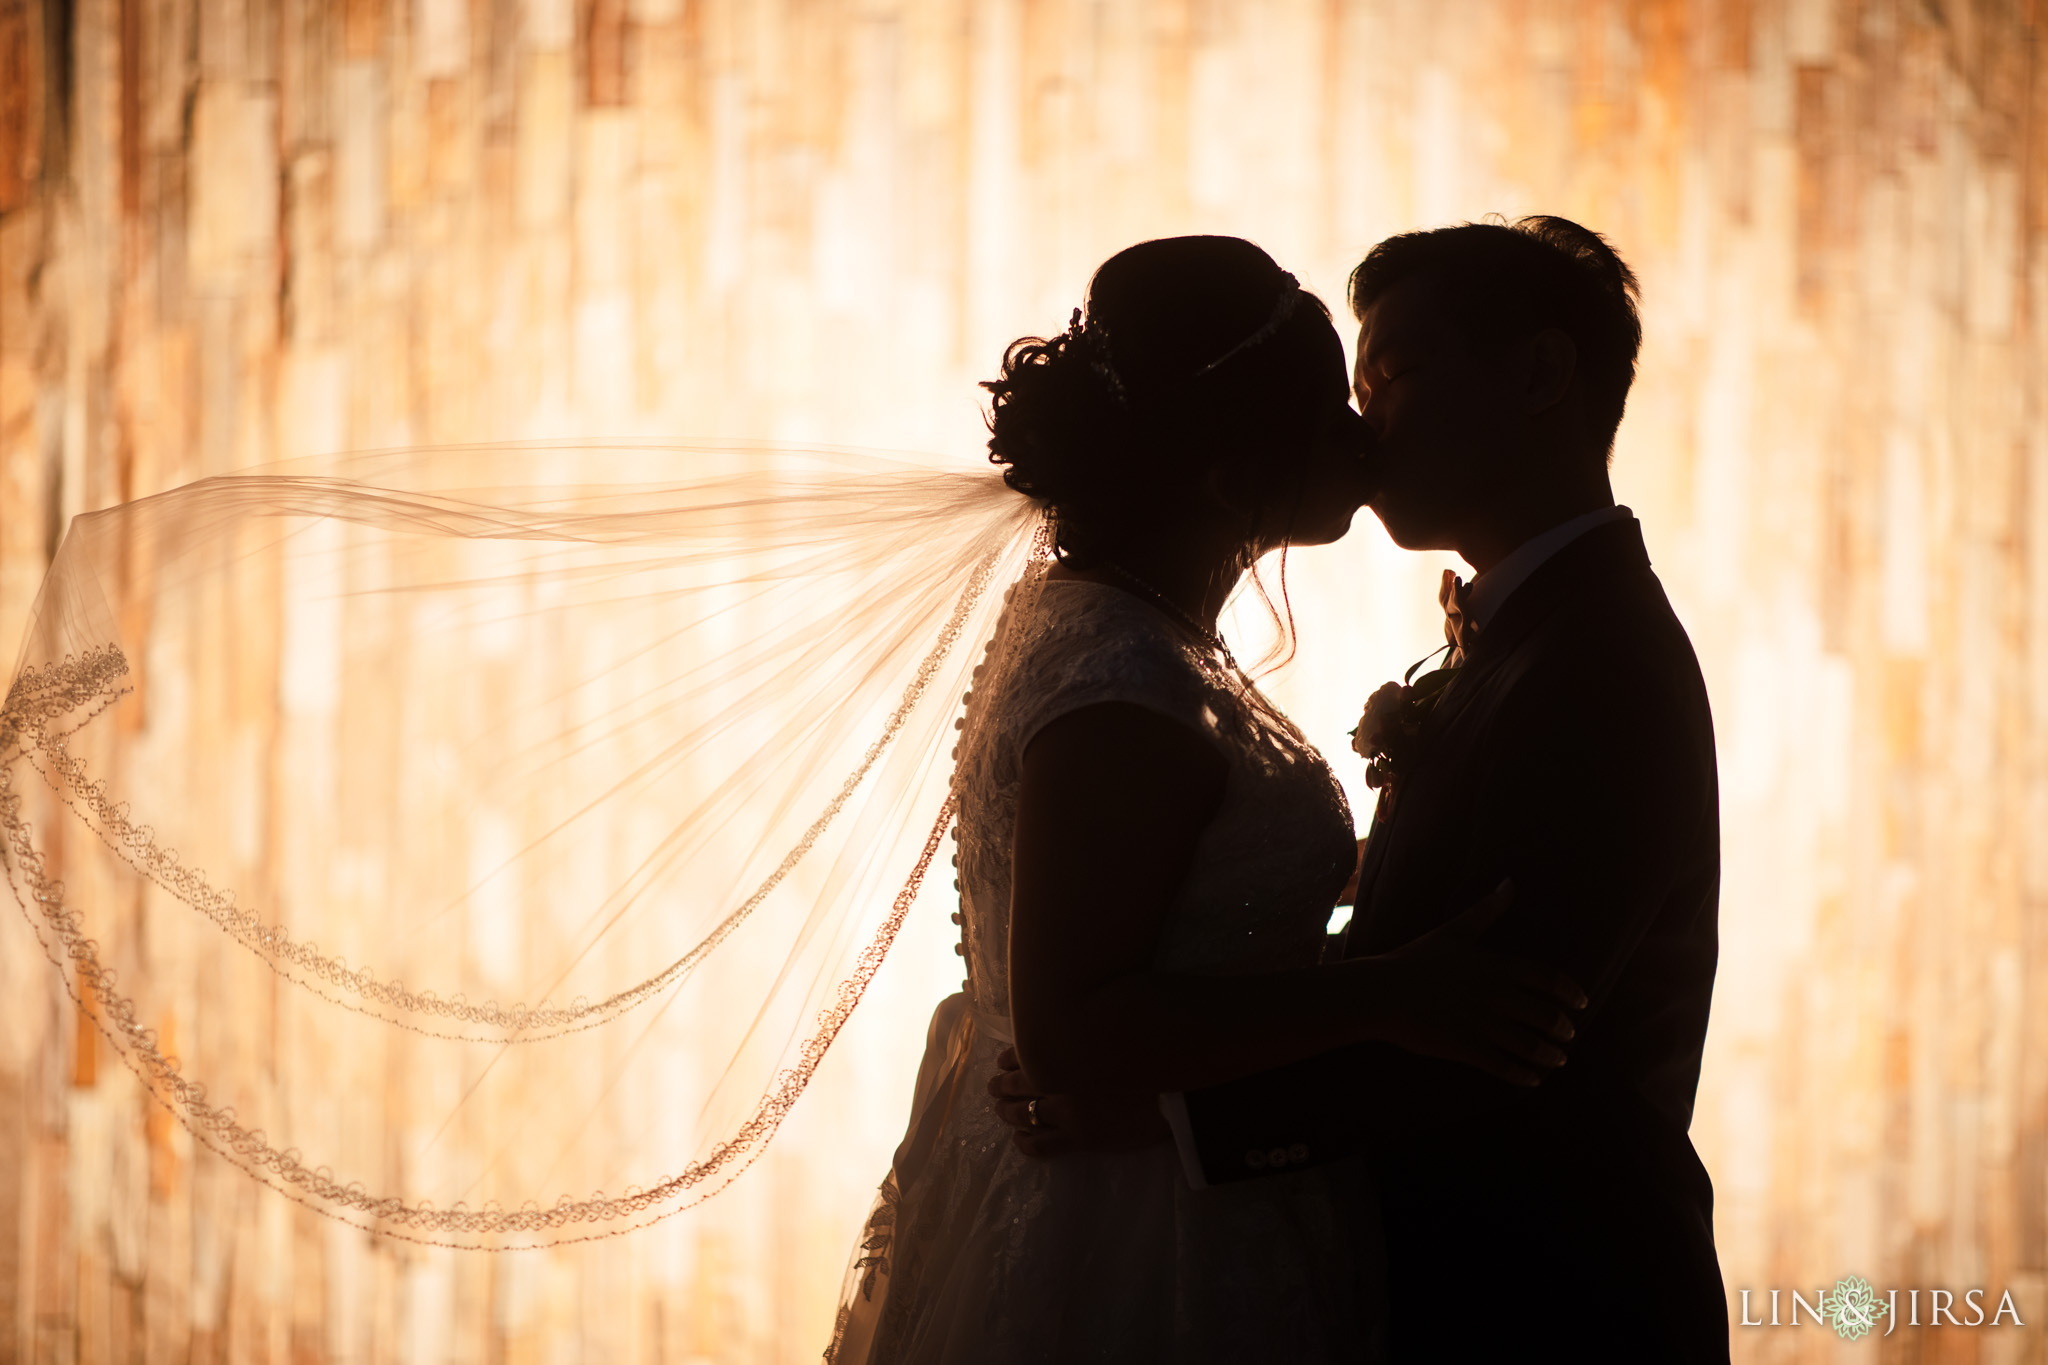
(1504, 281)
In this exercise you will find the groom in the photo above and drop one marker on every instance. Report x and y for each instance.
(1572, 752)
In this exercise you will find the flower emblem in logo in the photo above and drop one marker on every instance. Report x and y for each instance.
(1853, 1308)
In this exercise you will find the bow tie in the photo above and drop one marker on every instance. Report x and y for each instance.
(1461, 632)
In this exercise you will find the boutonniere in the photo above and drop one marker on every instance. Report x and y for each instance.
(1391, 727)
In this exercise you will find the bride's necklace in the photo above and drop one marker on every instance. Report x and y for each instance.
(1172, 609)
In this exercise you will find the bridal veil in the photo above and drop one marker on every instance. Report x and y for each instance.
(554, 804)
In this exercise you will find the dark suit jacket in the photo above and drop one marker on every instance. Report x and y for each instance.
(1575, 754)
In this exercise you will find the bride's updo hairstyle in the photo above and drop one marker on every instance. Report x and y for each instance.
(1196, 359)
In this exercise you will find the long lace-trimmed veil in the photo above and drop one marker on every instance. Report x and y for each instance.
(482, 845)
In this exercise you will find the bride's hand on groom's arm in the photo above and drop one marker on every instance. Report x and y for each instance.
(1094, 1122)
(1443, 996)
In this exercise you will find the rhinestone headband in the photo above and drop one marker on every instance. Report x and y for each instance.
(1094, 338)
(1283, 309)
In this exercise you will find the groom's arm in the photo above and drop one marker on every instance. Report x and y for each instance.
(1604, 820)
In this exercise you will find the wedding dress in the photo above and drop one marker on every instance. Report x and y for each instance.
(977, 1253)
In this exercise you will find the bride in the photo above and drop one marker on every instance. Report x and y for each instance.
(1148, 853)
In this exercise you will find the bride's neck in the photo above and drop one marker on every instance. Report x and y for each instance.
(1197, 578)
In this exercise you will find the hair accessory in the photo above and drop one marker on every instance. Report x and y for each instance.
(1090, 333)
(1283, 309)
(1093, 338)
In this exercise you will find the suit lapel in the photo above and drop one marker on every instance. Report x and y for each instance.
(1600, 555)
(1368, 875)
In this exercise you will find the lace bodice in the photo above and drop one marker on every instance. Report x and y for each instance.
(1268, 867)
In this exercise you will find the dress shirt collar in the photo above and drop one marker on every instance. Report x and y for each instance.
(1492, 588)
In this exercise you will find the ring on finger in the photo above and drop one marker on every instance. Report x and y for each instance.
(1031, 1113)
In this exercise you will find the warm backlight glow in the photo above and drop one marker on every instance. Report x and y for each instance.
(237, 231)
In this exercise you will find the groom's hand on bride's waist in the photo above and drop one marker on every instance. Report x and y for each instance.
(1050, 1125)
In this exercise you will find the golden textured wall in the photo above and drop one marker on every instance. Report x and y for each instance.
(239, 230)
